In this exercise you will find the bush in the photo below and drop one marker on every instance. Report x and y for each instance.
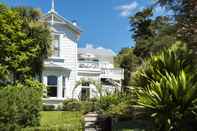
(49, 108)
(20, 105)
(166, 87)
(71, 105)
(88, 106)
(58, 128)
(105, 102)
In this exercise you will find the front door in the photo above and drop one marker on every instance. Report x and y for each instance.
(85, 93)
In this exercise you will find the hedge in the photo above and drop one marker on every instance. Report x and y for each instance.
(20, 105)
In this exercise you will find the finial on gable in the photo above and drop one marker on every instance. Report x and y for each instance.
(52, 6)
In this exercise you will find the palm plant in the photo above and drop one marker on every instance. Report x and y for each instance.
(40, 34)
(166, 86)
(171, 101)
(171, 60)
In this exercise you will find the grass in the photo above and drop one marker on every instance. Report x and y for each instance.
(59, 121)
(60, 118)
(71, 121)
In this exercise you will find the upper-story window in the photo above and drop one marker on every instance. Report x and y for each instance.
(56, 46)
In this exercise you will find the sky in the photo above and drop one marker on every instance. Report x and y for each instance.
(104, 22)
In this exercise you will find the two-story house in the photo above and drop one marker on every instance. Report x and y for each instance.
(68, 63)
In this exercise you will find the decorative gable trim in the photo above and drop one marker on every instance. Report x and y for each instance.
(61, 20)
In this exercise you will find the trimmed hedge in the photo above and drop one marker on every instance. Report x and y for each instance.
(71, 105)
(20, 105)
(49, 108)
(76, 105)
(63, 128)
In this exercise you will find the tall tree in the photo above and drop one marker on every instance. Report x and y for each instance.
(185, 15)
(24, 41)
(129, 62)
(151, 34)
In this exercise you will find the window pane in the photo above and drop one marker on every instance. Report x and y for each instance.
(105, 81)
(85, 84)
(51, 80)
(55, 46)
(52, 91)
(85, 94)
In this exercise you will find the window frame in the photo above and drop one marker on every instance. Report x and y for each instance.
(52, 85)
(54, 49)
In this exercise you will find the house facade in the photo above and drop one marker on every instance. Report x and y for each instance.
(70, 64)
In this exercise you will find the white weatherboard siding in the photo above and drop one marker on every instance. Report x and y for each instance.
(73, 63)
(68, 51)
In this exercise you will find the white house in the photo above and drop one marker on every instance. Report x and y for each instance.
(69, 64)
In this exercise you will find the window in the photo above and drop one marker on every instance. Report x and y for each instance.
(56, 46)
(105, 81)
(85, 94)
(52, 86)
(64, 85)
(85, 84)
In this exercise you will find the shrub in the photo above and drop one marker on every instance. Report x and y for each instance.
(20, 105)
(105, 102)
(71, 105)
(57, 128)
(166, 89)
(171, 60)
(49, 108)
(88, 106)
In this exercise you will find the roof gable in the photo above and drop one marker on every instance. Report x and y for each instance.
(61, 20)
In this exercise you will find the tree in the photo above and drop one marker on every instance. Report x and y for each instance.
(151, 34)
(25, 42)
(166, 87)
(129, 62)
(186, 19)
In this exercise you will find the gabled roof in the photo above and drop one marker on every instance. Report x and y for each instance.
(60, 19)
(100, 53)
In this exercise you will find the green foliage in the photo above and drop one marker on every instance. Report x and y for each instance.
(49, 108)
(115, 105)
(172, 60)
(184, 14)
(58, 121)
(25, 42)
(72, 105)
(172, 101)
(166, 88)
(20, 105)
(58, 128)
(151, 34)
(129, 62)
(82, 106)
(88, 106)
(4, 74)
(28, 13)
(106, 101)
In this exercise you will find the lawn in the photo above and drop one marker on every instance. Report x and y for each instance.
(60, 118)
(59, 121)
(71, 121)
